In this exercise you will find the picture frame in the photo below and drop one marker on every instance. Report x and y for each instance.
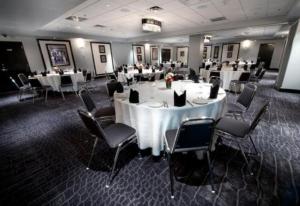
(102, 49)
(154, 52)
(103, 59)
(139, 58)
(182, 53)
(138, 50)
(58, 55)
(216, 52)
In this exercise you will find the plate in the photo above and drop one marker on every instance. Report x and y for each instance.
(154, 104)
(201, 101)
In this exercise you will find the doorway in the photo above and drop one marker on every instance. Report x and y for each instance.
(12, 62)
(165, 55)
(265, 54)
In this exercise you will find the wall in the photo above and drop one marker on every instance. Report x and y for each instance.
(292, 71)
(122, 52)
(249, 49)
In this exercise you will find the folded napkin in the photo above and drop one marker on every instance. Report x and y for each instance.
(214, 89)
(140, 71)
(79, 70)
(61, 72)
(179, 100)
(75, 71)
(44, 74)
(125, 70)
(120, 88)
(133, 96)
(153, 70)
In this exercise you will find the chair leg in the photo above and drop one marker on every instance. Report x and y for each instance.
(210, 173)
(246, 160)
(20, 95)
(171, 175)
(92, 154)
(109, 181)
(253, 145)
(46, 95)
(62, 94)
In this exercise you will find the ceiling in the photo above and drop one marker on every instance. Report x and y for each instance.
(122, 18)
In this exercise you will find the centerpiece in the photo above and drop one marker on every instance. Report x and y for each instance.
(168, 79)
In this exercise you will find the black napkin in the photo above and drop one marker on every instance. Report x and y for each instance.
(75, 71)
(125, 70)
(79, 70)
(44, 74)
(140, 71)
(153, 70)
(133, 96)
(120, 88)
(179, 100)
(61, 72)
(129, 81)
(214, 89)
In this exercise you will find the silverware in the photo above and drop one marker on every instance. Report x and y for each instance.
(189, 103)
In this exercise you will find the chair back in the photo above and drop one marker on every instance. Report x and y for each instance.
(194, 134)
(258, 72)
(260, 112)
(245, 67)
(24, 80)
(207, 67)
(262, 73)
(245, 76)
(65, 80)
(14, 82)
(35, 83)
(112, 86)
(84, 72)
(214, 73)
(87, 100)
(247, 95)
(91, 124)
(88, 77)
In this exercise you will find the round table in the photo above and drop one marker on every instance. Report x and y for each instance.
(53, 80)
(156, 113)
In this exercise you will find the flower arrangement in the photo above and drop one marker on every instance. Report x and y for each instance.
(168, 79)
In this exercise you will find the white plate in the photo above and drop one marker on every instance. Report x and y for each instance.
(154, 104)
(201, 101)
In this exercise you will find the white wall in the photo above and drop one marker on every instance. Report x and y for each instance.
(291, 78)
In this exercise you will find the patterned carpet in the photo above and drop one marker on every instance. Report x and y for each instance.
(44, 149)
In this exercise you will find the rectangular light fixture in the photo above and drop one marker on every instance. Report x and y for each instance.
(151, 25)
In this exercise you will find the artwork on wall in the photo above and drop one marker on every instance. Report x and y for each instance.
(230, 50)
(205, 52)
(139, 58)
(58, 55)
(182, 53)
(103, 58)
(216, 52)
(154, 53)
(101, 49)
(138, 50)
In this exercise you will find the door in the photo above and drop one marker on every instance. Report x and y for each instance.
(165, 55)
(12, 62)
(265, 54)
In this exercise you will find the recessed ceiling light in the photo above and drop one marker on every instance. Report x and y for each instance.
(221, 18)
(76, 18)
(99, 26)
(107, 5)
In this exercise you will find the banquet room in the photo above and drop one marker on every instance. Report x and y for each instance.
(150, 102)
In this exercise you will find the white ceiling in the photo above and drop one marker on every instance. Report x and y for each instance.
(122, 18)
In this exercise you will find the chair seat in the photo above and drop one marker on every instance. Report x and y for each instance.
(104, 111)
(234, 108)
(232, 126)
(170, 138)
(118, 133)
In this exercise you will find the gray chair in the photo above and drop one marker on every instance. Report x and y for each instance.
(233, 128)
(103, 114)
(243, 101)
(192, 135)
(117, 136)
(66, 83)
(38, 87)
(22, 89)
(244, 79)
(23, 79)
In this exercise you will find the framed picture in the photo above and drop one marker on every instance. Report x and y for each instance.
(216, 52)
(139, 58)
(229, 54)
(58, 55)
(101, 49)
(138, 50)
(182, 53)
(154, 53)
(103, 58)
(230, 47)
(205, 49)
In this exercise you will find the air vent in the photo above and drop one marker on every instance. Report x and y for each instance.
(99, 26)
(155, 8)
(76, 18)
(222, 18)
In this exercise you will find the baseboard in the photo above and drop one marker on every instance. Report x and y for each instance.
(290, 91)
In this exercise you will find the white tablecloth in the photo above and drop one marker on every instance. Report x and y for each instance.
(132, 72)
(225, 74)
(53, 80)
(152, 123)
